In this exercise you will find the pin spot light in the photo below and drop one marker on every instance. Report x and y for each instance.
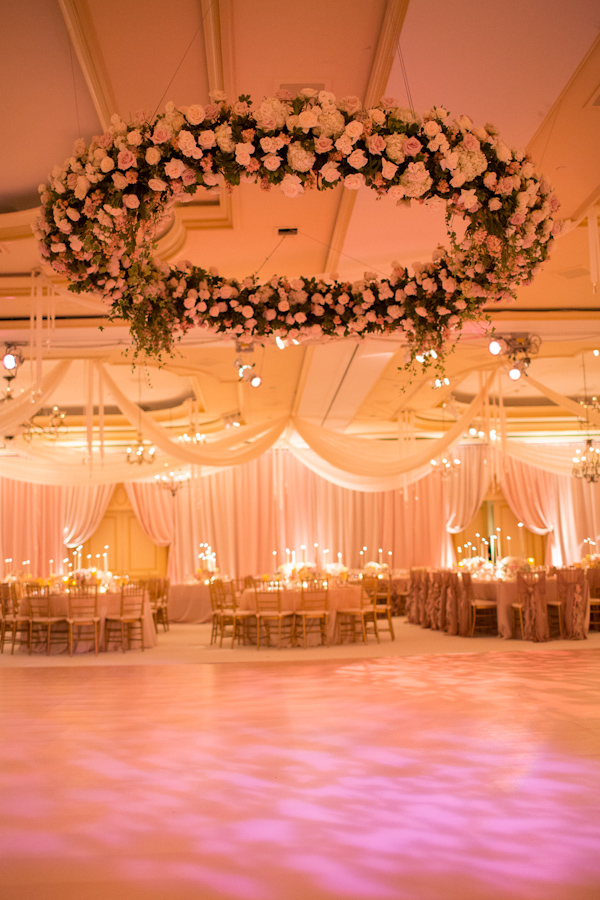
(12, 358)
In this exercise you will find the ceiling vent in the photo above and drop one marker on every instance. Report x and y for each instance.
(576, 272)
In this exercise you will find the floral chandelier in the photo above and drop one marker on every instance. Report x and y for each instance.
(101, 210)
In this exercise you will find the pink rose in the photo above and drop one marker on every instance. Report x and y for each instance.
(421, 311)
(126, 159)
(323, 145)
(157, 184)
(471, 143)
(412, 147)
(131, 201)
(283, 305)
(188, 177)
(161, 133)
(376, 144)
(517, 219)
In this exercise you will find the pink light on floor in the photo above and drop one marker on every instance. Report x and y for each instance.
(424, 777)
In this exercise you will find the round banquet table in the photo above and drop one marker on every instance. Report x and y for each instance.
(189, 603)
(344, 597)
(109, 604)
(505, 593)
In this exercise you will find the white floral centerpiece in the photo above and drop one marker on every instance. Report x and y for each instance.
(102, 208)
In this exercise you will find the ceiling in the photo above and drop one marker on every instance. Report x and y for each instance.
(532, 69)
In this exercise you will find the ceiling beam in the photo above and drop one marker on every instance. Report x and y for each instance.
(387, 44)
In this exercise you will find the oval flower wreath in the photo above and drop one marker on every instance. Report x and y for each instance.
(101, 209)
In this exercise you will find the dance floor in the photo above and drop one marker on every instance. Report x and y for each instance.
(460, 775)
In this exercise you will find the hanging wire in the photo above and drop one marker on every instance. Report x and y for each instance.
(187, 50)
(278, 244)
(405, 77)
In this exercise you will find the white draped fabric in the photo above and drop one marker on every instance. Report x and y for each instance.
(31, 527)
(274, 502)
(467, 488)
(543, 502)
(83, 510)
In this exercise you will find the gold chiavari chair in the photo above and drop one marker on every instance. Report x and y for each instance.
(130, 620)
(314, 609)
(228, 618)
(12, 620)
(593, 579)
(83, 618)
(364, 614)
(42, 623)
(267, 598)
(381, 591)
(483, 614)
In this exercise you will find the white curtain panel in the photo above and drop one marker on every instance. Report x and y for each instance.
(83, 510)
(31, 527)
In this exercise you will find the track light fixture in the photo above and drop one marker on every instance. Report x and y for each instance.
(519, 350)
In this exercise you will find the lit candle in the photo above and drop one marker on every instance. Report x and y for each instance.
(303, 548)
(274, 560)
(477, 535)
(391, 560)
(51, 565)
(362, 561)
(498, 530)
(293, 559)
(316, 546)
(105, 557)
(340, 558)
(380, 556)
(287, 555)
(493, 547)
(520, 527)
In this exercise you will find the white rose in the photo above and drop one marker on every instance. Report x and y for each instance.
(194, 114)
(271, 162)
(431, 128)
(354, 130)
(152, 156)
(291, 186)
(344, 145)
(106, 164)
(357, 159)
(330, 172)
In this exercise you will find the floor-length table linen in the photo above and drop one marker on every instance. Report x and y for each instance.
(109, 604)
(505, 594)
(189, 603)
(339, 598)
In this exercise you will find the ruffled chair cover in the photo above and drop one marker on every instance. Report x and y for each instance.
(531, 592)
(450, 596)
(417, 590)
(464, 607)
(434, 607)
(573, 593)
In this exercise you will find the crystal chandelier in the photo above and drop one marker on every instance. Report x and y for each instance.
(173, 482)
(586, 464)
(446, 466)
(140, 453)
(53, 430)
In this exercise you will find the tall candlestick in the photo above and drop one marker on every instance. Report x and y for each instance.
(498, 531)
(340, 558)
(380, 556)
(362, 560)
(325, 558)
(274, 560)
(493, 547)
(287, 555)
(391, 560)
(316, 546)
(477, 535)
(293, 559)
(303, 548)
